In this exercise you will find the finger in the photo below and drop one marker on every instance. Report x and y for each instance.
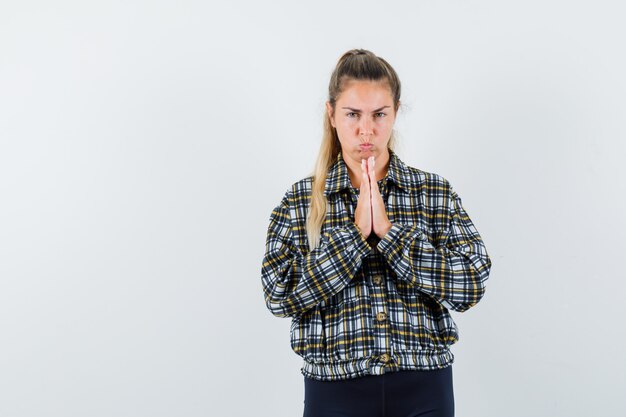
(363, 169)
(373, 183)
(370, 169)
(377, 198)
(364, 178)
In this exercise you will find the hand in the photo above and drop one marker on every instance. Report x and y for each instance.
(363, 213)
(371, 214)
(380, 221)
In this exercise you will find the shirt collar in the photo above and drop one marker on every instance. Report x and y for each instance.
(338, 178)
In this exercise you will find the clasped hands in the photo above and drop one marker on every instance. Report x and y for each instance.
(370, 215)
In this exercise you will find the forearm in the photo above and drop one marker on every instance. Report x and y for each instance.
(294, 283)
(453, 274)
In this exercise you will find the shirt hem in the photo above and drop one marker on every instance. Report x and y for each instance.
(400, 360)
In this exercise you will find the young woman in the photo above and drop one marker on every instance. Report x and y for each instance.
(367, 256)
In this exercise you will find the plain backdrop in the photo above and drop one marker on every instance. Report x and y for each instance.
(145, 144)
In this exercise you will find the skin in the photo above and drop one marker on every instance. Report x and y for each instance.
(364, 113)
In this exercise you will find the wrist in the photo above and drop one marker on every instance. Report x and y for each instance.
(385, 230)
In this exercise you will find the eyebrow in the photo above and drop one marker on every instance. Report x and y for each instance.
(359, 111)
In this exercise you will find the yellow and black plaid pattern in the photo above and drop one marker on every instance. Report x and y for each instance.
(368, 306)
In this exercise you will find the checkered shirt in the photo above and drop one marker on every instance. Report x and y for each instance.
(369, 306)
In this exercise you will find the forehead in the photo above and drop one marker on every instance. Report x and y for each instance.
(365, 91)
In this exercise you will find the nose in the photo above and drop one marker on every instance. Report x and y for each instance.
(365, 129)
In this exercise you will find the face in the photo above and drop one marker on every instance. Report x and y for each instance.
(364, 116)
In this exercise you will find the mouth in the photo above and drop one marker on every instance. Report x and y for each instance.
(366, 146)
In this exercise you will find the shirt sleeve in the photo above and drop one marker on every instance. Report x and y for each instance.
(294, 282)
(454, 272)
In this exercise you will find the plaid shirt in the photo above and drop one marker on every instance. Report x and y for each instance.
(369, 306)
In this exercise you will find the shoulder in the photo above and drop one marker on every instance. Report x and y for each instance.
(298, 193)
(435, 192)
(419, 176)
(426, 182)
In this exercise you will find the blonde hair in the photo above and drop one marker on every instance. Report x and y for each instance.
(356, 64)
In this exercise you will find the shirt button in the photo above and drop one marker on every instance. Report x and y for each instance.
(377, 279)
(384, 358)
(381, 316)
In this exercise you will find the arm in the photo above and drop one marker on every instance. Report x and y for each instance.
(454, 272)
(293, 282)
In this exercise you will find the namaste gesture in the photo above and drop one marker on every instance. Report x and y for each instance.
(370, 215)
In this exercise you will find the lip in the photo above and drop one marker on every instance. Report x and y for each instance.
(366, 146)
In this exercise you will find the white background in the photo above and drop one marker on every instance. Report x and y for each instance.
(144, 145)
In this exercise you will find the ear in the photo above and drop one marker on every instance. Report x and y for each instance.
(329, 111)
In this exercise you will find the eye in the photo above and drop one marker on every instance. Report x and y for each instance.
(351, 113)
(381, 114)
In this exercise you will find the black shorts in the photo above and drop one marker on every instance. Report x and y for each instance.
(393, 394)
